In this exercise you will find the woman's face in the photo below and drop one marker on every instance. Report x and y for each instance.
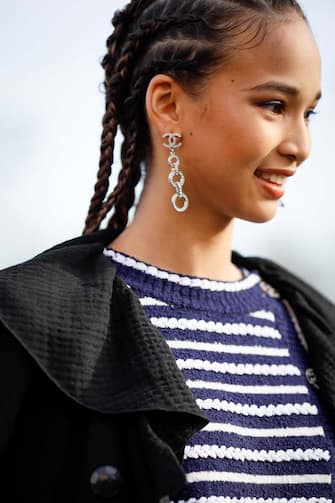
(234, 133)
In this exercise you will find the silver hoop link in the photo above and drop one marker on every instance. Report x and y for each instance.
(177, 184)
(173, 161)
(176, 177)
(174, 202)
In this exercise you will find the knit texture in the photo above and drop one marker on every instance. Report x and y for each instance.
(240, 349)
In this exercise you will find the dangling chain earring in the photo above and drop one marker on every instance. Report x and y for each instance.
(176, 177)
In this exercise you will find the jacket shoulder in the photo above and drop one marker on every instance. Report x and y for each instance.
(288, 283)
(53, 303)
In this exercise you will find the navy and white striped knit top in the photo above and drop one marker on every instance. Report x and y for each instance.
(240, 349)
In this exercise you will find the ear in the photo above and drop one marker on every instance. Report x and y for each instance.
(163, 103)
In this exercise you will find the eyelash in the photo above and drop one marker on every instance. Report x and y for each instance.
(281, 104)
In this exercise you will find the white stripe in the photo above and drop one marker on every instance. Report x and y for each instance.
(242, 454)
(255, 390)
(227, 499)
(217, 347)
(303, 431)
(239, 368)
(206, 284)
(150, 301)
(258, 410)
(247, 478)
(264, 315)
(216, 327)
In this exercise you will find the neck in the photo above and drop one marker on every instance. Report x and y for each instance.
(186, 243)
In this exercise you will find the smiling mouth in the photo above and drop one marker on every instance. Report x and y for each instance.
(271, 177)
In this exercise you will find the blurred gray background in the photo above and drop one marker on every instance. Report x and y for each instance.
(50, 126)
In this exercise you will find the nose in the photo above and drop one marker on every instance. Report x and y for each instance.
(297, 142)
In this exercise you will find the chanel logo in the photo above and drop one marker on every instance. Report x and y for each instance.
(173, 140)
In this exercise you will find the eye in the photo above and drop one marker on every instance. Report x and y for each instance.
(277, 106)
(310, 113)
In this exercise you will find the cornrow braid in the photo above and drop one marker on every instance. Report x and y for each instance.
(96, 210)
(110, 123)
(120, 21)
(187, 40)
(123, 196)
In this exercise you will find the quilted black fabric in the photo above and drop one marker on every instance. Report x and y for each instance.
(88, 332)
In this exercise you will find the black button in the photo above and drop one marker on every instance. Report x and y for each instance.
(311, 378)
(106, 481)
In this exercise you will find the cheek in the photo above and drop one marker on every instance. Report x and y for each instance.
(228, 146)
(227, 136)
(242, 133)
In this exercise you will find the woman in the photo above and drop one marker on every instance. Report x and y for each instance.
(150, 362)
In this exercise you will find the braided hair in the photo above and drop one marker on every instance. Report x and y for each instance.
(185, 39)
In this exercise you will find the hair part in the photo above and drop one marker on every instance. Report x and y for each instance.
(187, 40)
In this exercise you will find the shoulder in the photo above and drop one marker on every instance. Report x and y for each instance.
(51, 304)
(69, 311)
(69, 263)
(279, 275)
(301, 294)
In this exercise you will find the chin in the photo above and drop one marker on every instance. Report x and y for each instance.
(262, 215)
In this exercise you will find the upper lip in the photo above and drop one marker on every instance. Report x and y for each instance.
(278, 171)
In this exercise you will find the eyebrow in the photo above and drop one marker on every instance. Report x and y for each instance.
(283, 88)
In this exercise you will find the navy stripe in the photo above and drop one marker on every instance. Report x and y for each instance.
(238, 340)
(247, 399)
(245, 380)
(292, 421)
(214, 356)
(203, 314)
(257, 443)
(255, 490)
(259, 467)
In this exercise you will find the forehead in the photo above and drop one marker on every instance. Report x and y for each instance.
(288, 53)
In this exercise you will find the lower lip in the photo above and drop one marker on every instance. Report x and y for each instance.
(274, 190)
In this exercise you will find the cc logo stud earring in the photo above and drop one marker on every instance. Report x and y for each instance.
(176, 178)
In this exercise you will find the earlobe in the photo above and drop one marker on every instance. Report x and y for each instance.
(162, 104)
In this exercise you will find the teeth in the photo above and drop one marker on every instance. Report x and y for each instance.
(278, 179)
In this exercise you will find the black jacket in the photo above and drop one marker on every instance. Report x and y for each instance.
(92, 404)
